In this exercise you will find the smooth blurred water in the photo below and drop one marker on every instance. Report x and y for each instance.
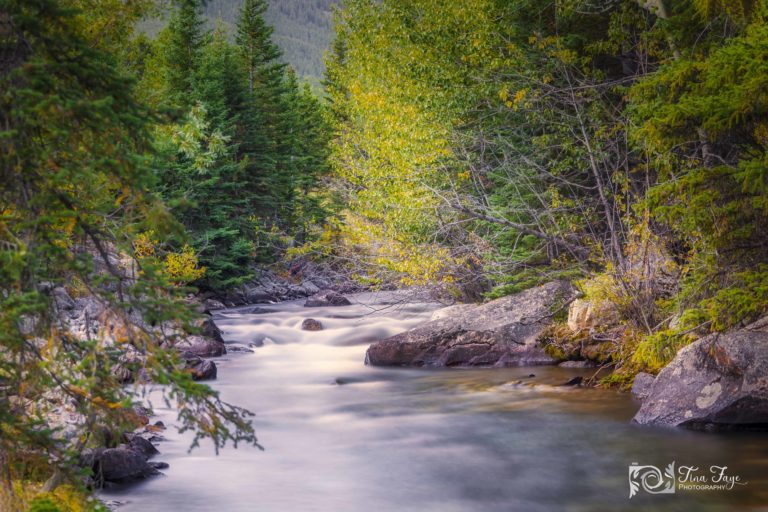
(421, 440)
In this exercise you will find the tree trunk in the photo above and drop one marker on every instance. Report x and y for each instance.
(8, 499)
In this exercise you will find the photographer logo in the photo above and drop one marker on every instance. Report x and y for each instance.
(653, 480)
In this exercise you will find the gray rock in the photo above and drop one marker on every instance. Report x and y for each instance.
(575, 381)
(577, 364)
(717, 382)
(212, 305)
(451, 311)
(309, 288)
(143, 446)
(211, 330)
(327, 298)
(45, 287)
(117, 465)
(503, 332)
(642, 385)
(201, 346)
(130, 366)
(122, 374)
(201, 369)
(310, 324)
(236, 348)
(259, 295)
(62, 299)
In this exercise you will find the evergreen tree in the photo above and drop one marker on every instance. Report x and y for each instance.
(201, 181)
(71, 201)
(261, 55)
(266, 82)
(218, 83)
(311, 164)
(181, 51)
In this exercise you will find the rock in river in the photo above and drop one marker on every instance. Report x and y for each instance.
(327, 298)
(201, 369)
(201, 346)
(310, 324)
(717, 382)
(502, 332)
(641, 387)
(118, 465)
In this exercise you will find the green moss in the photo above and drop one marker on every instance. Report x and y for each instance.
(43, 504)
(619, 379)
(66, 498)
(602, 352)
(655, 351)
(522, 281)
(555, 352)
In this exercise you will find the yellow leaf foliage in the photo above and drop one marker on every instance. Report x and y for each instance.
(183, 267)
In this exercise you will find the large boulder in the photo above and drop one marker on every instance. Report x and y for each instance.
(717, 382)
(143, 446)
(118, 465)
(503, 332)
(201, 346)
(326, 298)
(211, 330)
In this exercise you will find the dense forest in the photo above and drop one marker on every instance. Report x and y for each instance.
(131, 168)
(477, 148)
(491, 146)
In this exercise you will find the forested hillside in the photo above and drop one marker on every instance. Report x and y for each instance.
(490, 146)
(303, 30)
(130, 168)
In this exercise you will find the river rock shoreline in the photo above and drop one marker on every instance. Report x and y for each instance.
(503, 332)
(130, 461)
(718, 382)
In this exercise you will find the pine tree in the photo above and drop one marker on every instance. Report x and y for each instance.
(261, 54)
(312, 163)
(218, 83)
(71, 201)
(266, 82)
(181, 52)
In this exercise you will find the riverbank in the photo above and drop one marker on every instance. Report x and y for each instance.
(339, 435)
(512, 332)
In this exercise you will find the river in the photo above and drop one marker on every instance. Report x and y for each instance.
(343, 437)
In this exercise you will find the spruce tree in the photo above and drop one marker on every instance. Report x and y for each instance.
(186, 37)
(266, 82)
(74, 193)
(254, 38)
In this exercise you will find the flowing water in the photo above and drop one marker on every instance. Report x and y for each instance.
(340, 436)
